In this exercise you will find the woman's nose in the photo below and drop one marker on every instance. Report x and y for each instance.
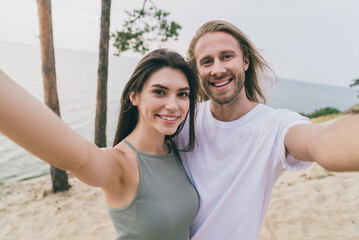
(171, 103)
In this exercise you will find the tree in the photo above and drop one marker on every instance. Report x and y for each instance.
(101, 106)
(143, 26)
(58, 176)
(355, 83)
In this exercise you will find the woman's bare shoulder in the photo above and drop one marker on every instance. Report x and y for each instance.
(123, 155)
(125, 178)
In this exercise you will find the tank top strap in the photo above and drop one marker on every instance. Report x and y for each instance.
(135, 150)
(130, 145)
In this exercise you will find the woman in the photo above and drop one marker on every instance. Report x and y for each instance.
(144, 184)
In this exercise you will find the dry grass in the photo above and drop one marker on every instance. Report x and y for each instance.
(353, 110)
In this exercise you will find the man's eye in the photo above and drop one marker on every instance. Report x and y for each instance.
(206, 62)
(227, 56)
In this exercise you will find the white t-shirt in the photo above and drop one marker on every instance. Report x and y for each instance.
(234, 167)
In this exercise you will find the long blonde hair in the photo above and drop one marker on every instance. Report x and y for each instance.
(258, 66)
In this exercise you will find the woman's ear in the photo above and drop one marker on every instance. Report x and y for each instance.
(133, 98)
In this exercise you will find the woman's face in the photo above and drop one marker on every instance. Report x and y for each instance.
(163, 102)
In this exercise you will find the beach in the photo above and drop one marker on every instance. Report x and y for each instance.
(313, 204)
(29, 210)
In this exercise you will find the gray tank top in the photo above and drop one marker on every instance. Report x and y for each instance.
(165, 203)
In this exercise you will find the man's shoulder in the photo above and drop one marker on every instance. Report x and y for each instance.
(283, 116)
(278, 111)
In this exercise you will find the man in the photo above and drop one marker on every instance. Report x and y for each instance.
(242, 145)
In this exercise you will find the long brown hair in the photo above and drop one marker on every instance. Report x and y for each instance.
(150, 63)
(258, 66)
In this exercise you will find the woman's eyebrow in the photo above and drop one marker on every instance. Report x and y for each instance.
(159, 86)
(166, 88)
(184, 89)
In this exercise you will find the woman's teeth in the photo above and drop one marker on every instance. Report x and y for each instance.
(168, 118)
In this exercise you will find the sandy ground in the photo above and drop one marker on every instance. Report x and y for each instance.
(312, 204)
(29, 210)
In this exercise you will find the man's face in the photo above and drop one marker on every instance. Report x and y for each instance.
(221, 66)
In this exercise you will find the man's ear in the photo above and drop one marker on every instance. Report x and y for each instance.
(245, 63)
(134, 98)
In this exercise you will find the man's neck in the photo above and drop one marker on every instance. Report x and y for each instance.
(233, 110)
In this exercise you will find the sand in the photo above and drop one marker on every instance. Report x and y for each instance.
(312, 204)
(29, 210)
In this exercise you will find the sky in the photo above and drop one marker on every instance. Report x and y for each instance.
(307, 40)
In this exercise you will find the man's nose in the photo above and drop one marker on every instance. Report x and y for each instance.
(218, 69)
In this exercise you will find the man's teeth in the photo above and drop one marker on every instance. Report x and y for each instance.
(168, 118)
(220, 84)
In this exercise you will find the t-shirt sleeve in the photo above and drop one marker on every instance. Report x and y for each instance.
(290, 162)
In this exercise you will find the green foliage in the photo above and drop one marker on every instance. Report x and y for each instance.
(142, 27)
(355, 84)
(324, 175)
(322, 112)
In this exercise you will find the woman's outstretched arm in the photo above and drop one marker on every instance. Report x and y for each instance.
(33, 126)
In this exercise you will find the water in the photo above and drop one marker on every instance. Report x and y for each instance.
(77, 83)
(307, 97)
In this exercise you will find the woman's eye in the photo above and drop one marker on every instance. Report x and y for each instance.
(183, 94)
(159, 92)
(227, 56)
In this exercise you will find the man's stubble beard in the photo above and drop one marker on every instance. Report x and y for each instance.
(239, 81)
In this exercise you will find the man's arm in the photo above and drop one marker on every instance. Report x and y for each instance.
(334, 145)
